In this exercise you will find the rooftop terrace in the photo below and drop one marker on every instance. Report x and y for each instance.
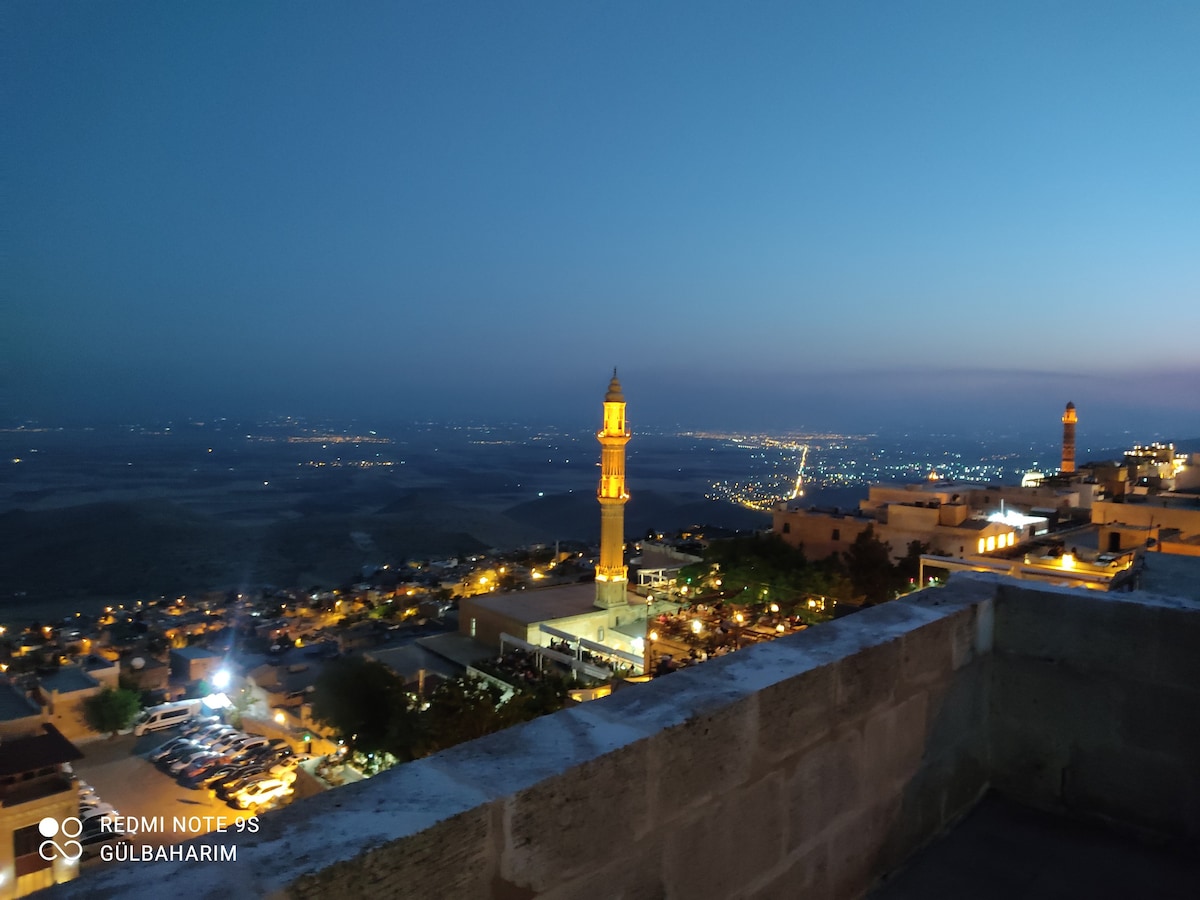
(811, 766)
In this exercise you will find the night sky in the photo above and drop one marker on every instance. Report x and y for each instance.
(766, 214)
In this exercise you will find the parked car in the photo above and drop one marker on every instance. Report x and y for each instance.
(202, 765)
(184, 750)
(183, 762)
(211, 729)
(204, 779)
(288, 765)
(103, 811)
(92, 842)
(228, 742)
(165, 749)
(200, 723)
(257, 753)
(261, 792)
(220, 735)
(232, 785)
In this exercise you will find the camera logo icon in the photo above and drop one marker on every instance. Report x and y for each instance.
(69, 828)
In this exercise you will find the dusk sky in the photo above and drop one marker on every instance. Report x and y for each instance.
(766, 214)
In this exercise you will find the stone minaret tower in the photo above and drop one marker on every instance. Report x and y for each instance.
(1069, 420)
(611, 572)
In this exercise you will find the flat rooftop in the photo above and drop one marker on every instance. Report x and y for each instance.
(1170, 500)
(1171, 575)
(545, 604)
(1003, 851)
(68, 679)
(14, 704)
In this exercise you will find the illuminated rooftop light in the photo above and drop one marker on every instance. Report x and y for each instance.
(1015, 519)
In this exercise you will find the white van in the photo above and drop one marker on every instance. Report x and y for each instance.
(165, 715)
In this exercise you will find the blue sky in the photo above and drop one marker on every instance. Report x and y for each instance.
(764, 213)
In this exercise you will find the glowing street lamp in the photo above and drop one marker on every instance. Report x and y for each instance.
(220, 679)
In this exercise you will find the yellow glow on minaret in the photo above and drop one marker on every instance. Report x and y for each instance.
(1068, 451)
(611, 574)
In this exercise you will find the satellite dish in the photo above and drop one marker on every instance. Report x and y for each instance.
(137, 662)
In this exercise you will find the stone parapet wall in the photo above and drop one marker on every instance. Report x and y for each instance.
(1096, 706)
(808, 766)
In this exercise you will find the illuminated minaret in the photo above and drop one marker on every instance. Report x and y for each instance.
(611, 572)
(1069, 420)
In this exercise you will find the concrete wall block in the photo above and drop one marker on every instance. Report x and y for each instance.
(919, 819)
(1162, 719)
(927, 653)
(1116, 634)
(965, 774)
(893, 745)
(856, 847)
(825, 784)
(1054, 704)
(1028, 770)
(866, 681)
(634, 874)
(732, 843)
(795, 713)
(552, 829)
(453, 859)
(704, 756)
(1175, 657)
(806, 877)
(1142, 789)
(958, 709)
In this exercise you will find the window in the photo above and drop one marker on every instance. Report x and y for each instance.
(837, 534)
(25, 849)
(472, 626)
(600, 634)
(787, 527)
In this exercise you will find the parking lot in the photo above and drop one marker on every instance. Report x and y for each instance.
(118, 770)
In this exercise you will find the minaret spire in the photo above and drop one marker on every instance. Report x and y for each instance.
(1069, 419)
(611, 573)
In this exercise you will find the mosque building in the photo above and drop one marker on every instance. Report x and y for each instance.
(605, 617)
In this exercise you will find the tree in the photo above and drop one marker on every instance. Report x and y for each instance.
(869, 566)
(111, 710)
(366, 703)
(908, 569)
(462, 709)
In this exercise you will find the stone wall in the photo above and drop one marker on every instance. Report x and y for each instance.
(1096, 706)
(806, 767)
